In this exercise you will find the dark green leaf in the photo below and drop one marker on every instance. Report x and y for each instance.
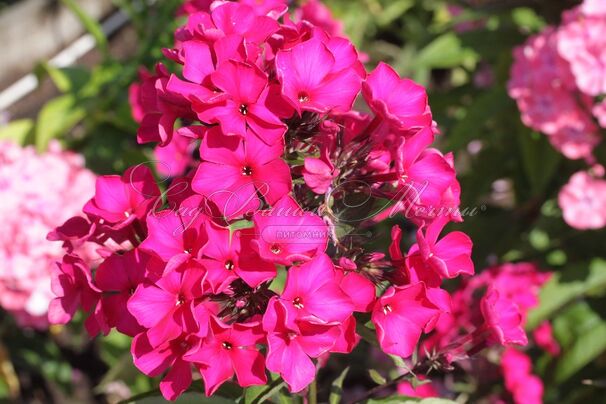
(582, 333)
(567, 286)
(260, 394)
(444, 52)
(336, 390)
(376, 377)
(67, 79)
(89, 24)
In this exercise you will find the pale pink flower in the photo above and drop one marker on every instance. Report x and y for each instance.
(38, 193)
(583, 201)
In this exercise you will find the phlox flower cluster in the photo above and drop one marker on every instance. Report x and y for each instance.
(558, 79)
(38, 192)
(512, 290)
(253, 257)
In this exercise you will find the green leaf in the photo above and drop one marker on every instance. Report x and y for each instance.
(399, 362)
(445, 51)
(336, 390)
(528, 19)
(393, 11)
(567, 286)
(367, 334)
(66, 79)
(18, 131)
(90, 25)
(260, 394)
(540, 160)
(239, 225)
(376, 377)
(277, 285)
(582, 333)
(186, 398)
(465, 130)
(57, 117)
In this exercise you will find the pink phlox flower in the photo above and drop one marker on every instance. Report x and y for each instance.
(155, 360)
(177, 235)
(583, 201)
(400, 316)
(582, 42)
(503, 318)
(242, 103)
(401, 102)
(519, 380)
(320, 16)
(120, 200)
(156, 108)
(319, 173)
(72, 286)
(173, 159)
(118, 277)
(228, 256)
(292, 343)
(229, 349)
(543, 337)
(286, 234)
(271, 8)
(235, 171)
(313, 80)
(313, 290)
(167, 308)
(449, 256)
(424, 175)
(74, 233)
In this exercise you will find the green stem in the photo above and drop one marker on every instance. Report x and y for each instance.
(313, 393)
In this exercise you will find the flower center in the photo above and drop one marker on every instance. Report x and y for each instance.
(387, 309)
(180, 300)
(243, 109)
(275, 249)
(298, 303)
(303, 96)
(226, 345)
(247, 171)
(229, 265)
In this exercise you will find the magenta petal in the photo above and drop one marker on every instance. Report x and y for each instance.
(329, 303)
(397, 335)
(337, 92)
(273, 180)
(149, 360)
(62, 309)
(111, 198)
(198, 61)
(249, 366)
(168, 328)
(360, 290)
(317, 339)
(217, 368)
(243, 81)
(177, 380)
(150, 304)
(291, 362)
